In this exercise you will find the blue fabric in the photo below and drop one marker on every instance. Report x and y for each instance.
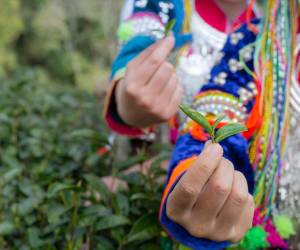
(235, 150)
(235, 147)
(138, 43)
(180, 234)
(132, 49)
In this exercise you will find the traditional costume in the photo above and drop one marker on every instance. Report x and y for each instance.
(254, 81)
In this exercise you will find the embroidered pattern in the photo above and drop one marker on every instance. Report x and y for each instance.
(219, 103)
(141, 24)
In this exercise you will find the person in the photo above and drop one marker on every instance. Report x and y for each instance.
(131, 112)
(207, 202)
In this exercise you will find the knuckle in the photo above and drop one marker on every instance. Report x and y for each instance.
(155, 110)
(251, 202)
(240, 177)
(168, 67)
(145, 103)
(154, 60)
(239, 198)
(187, 190)
(130, 90)
(221, 189)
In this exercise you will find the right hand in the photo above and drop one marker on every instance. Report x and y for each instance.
(211, 200)
(149, 93)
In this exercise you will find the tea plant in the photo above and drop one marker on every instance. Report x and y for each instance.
(51, 193)
(216, 135)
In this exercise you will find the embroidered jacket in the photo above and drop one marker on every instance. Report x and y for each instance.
(146, 24)
(230, 90)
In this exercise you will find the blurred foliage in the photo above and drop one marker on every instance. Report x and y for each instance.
(9, 32)
(54, 147)
(52, 196)
(70, 40)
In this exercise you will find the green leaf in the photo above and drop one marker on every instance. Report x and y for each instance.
(170, 25)
(139, 196)
(26, 206)
(55, 211)
(229, 130)
(137, 159)
(96, 211)
(182, 247)
(144, 229)
(57, 187)
(12, 174)
(6, 228)
(112, 222)
(105, 243)
(217, 121)
(197, 117)
(120, 204)
(33, 236)
(97, 185)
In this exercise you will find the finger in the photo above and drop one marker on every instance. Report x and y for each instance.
(215, 192)
(187, 190)
(175, 100)
(146, 53)
(236, 201)
(157, 57)
(159, 80)
(245, 221)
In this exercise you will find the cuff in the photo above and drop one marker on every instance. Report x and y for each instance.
(176, 231)
(110, 113)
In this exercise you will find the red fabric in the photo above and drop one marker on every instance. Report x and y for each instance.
(215, 17)
(122, 129)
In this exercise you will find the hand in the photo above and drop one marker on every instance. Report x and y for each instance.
(211, 200)
(149, 93)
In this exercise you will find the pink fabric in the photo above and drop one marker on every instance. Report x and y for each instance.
(273, 238)
(122, 129)
(145, 14)
(215, 17)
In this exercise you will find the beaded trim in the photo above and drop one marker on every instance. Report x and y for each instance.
(220, 103)
(146, 24)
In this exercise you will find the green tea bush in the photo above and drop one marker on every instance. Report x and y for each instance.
(52, 196)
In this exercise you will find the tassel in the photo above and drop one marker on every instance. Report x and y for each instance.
(256, 238)
(284, 226)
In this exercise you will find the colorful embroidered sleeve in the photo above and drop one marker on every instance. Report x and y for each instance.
(145, 25)
(230, 91)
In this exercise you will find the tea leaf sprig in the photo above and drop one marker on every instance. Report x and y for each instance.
(216, 135)
(169, 27)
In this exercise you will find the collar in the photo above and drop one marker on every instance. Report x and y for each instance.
(211, 13)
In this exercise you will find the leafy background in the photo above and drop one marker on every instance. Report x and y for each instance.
(54, 147)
